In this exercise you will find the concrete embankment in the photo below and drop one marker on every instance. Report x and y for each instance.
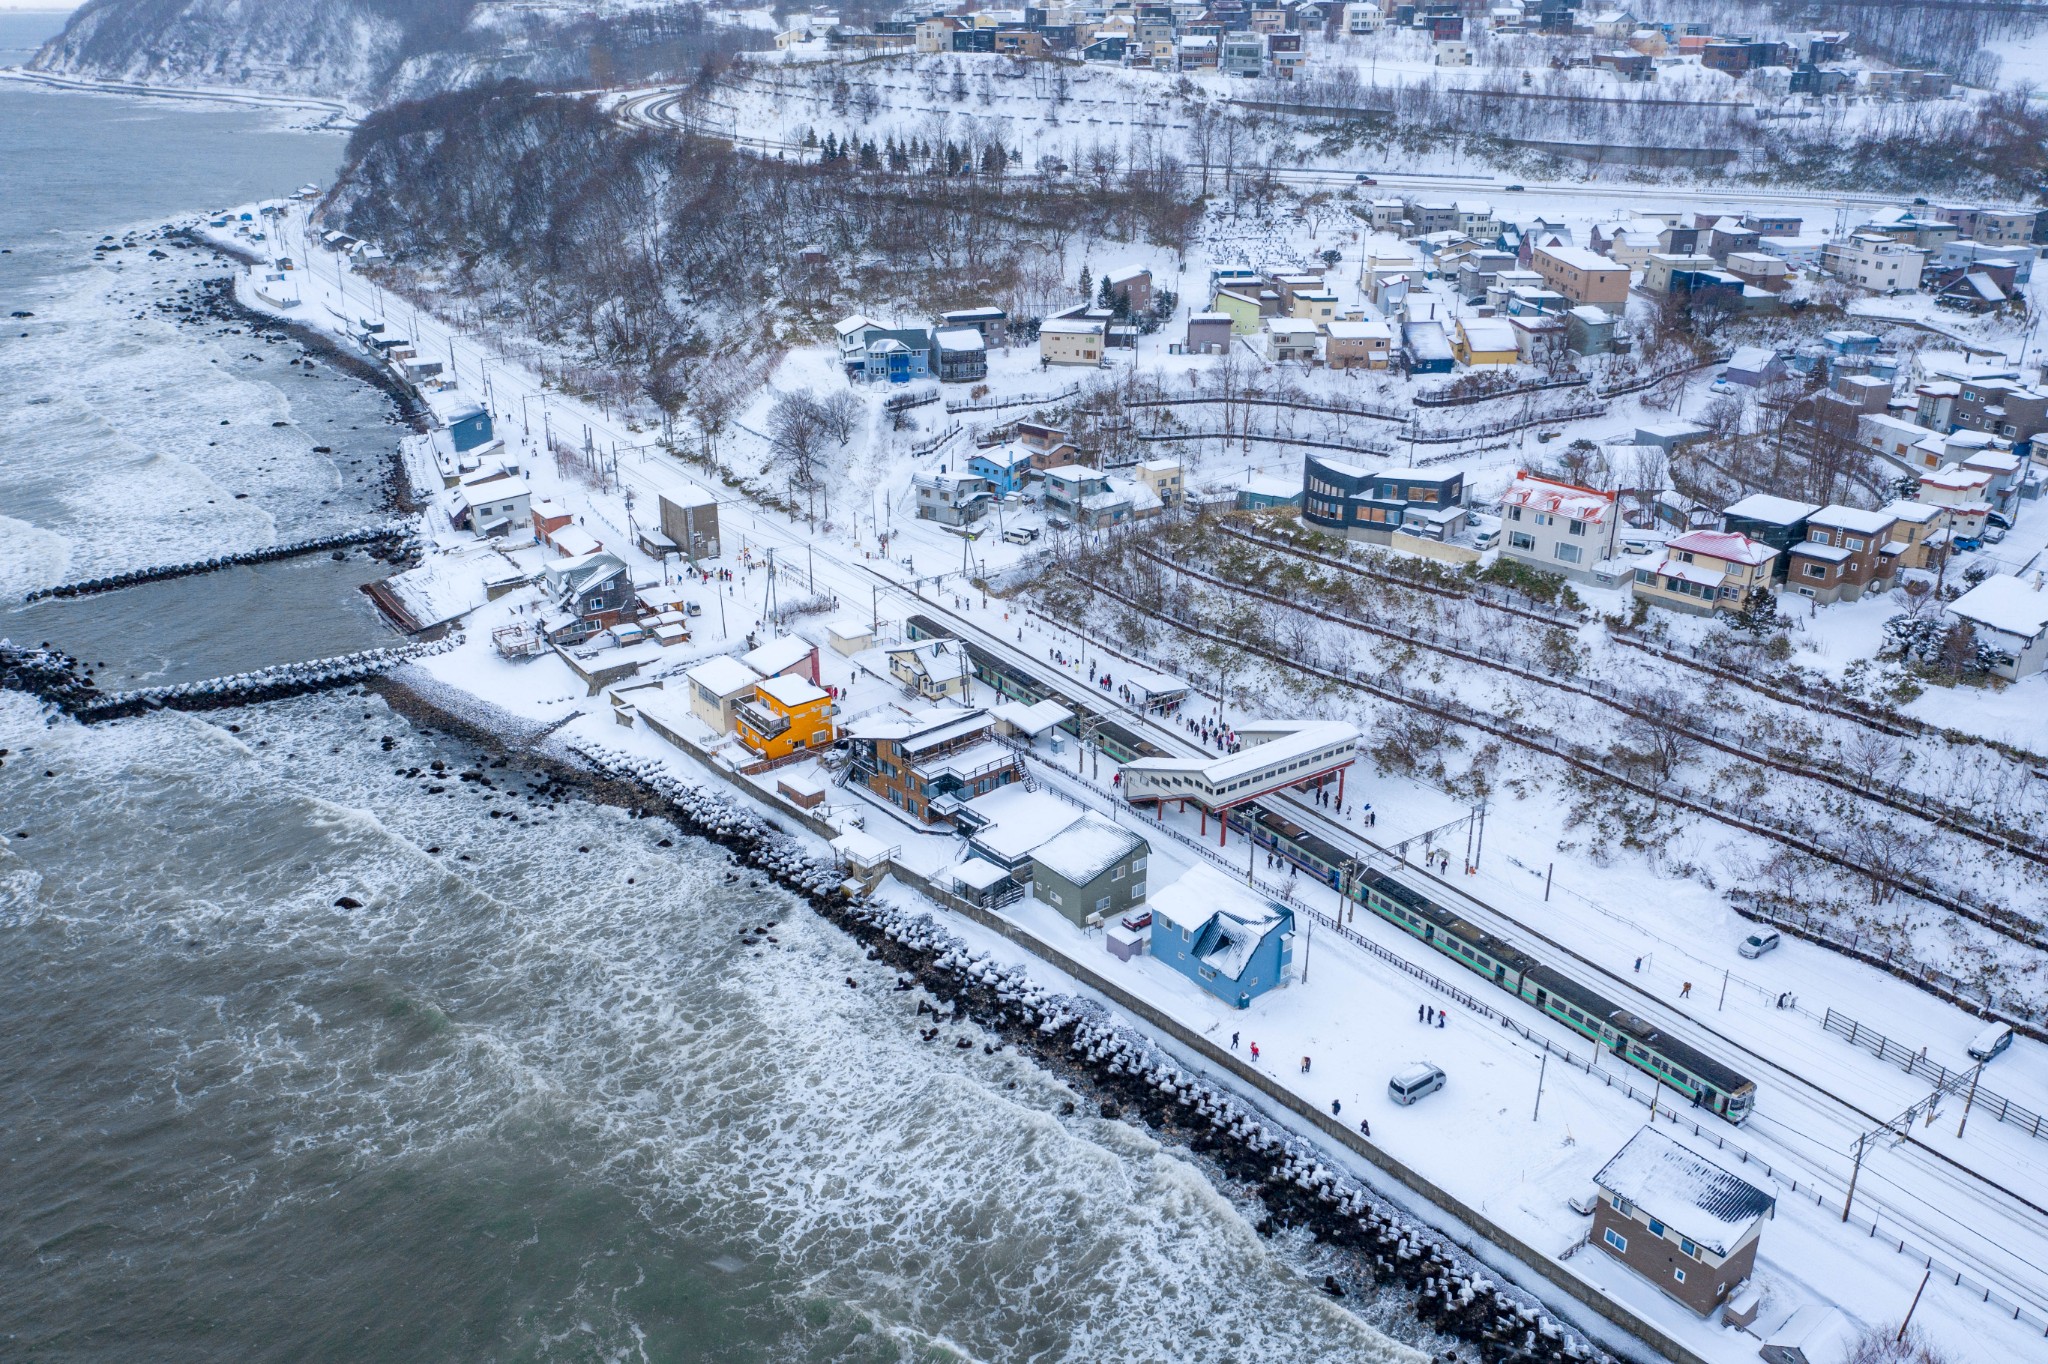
(396, 539)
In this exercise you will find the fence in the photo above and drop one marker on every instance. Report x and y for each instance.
(1946, 1080)
(1027, 400)
(1444, 397)
(926, 447)
(1639, 382)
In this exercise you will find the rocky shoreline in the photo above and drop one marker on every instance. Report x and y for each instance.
(1132, 1079)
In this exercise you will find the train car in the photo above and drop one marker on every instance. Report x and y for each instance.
(1693, 1076)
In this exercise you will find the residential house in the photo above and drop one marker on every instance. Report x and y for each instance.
(470, 429)
(689, 518)
(1538, 339)
(717, 686)
(549, 516)
(1556, 526)
(1760, 270)
(1050, 446)
(785, 715)
(1163, 477)
(1357, 345)
(1091, 871)
(1484, 341)
(936, 33)
(872, 353)
(1969, 291)
(585, 594)
(1070, 341)
(952, 499)
(2012, 617)
(1678, 1219)
(1085, 497)
(1582, 276)
(1265, 492)
(1372, 507)
(1976, 255)
(993, 323)
(1707, 571)
(785, 656)
(1230, 941)
(1772, 224)
(1005, 468)
(1593, 331)
(1478, 270)
(2000, 407)
(935, 669)
(1922, 533)
(1133, 284)
(1753, 366)
(929, 763)
(1208, 333)
(1628, 242)
(1964, 494)
(1312, 305)
(1244, 310)
(1847, 552)
(1669, 272)
(1872, 260)
(495, 505)
(1777, 522)
(1425, 348)
(960, 355)
(1669, 436)
(1289, 338)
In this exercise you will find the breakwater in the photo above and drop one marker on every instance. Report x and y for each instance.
(398, 538)
(60, 680)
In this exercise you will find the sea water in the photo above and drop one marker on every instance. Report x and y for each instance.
(308, 1057)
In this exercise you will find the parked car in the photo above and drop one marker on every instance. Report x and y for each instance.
(1584, 1203)
(1021, 535)
(1365, 179)
(1989, 1043)
(1514, 189)
(1999, 520)
(1992, 535)
(1758, 943)
(1415, 1081)
(1920, 202)
(1720, 386)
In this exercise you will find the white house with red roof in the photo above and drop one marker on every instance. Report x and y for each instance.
(1707, 571)
(1557, 527)
(1965, 494)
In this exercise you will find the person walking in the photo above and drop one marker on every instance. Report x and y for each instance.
(1418, 1013)
(1304, 1065)
(1233, 1041)
(1639, 964)
(1365, 1128)
(1336, 1107)
(1685, 990)
(1439, 1018)
(1255, 1051)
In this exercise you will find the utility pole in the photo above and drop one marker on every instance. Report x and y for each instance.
(1916, 1304)
(1724, 990)
(1854, 1170)
(1542, 1068)
(1972, 1098)
(1549, 870)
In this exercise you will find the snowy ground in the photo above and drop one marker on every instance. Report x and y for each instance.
(1607, 915)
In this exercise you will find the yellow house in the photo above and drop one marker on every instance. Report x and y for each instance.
(1315, 306)
(785, 714)
(1484, 341)
(1244, 310)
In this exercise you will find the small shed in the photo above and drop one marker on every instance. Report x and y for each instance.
(1815, 1334)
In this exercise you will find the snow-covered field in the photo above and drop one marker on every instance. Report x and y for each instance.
(1355, 1009)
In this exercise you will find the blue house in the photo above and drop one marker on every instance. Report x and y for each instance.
(1426, 347)
(469, 429)
(1232, 943)
(1005, 467)
(872, 353)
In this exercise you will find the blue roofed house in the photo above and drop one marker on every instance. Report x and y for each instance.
(469, 429)
(1217, 933)
(1006, 467)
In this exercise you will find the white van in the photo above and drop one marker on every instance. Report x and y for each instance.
(1416, 1080)
(1758, 943)
(1990, 1042)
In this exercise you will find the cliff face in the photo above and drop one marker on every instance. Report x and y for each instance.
(345, 49)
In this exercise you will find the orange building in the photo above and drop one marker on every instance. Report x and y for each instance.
(785, 715)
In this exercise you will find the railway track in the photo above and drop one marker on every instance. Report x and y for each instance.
(1846, 1116)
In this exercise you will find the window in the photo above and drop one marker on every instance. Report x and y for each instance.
(1514, 513)
(1814, 570)
(1645, 576)
(1054, 896)
(1521, 540)
(1617, 1240)
(1656, 1227)
(1678, 1274)
(1571, 554)
(1137, 890)
(1688, 1247)
(1578, 528)
(1852, 543)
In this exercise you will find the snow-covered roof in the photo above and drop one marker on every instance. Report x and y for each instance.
(1086, 848)
(1578, 258)
(1126, 274)
(1203, 896)
(959, 339)
(1070, 326)
(1360, 331)
(1837, 516)
(1721, 544)
(1919, 513)
(1752, 359)
(1814, 549)
(789, 690)
(1818, 1334)
(1692, 573)
(1683, 1189)
(857, 323)
(975, 873)
(1955, 479)
(940, 659)
(1488, 334)
(723, 676)
(1034, 719)
(785, 651)
(1563, 499)
(1016, 821)
(2005, 604)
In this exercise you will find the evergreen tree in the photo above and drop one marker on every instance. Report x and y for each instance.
(1087, 282)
